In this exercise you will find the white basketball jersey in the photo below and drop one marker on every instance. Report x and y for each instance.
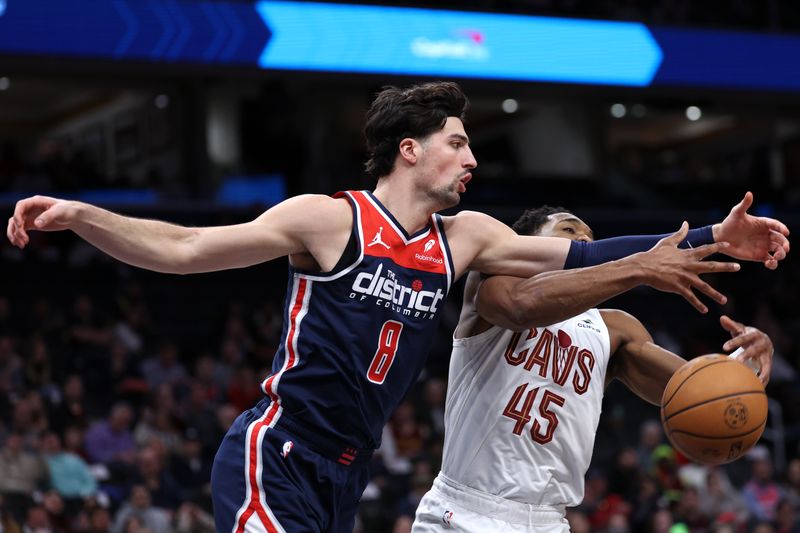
(523, 408)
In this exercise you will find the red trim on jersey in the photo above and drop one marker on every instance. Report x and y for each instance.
(254, 504)
(291, 355)
(380, 239)
(253, 449)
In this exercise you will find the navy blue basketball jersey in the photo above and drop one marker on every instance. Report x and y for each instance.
(356, 338)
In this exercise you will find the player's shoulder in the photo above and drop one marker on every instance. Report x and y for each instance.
(470, 221)
(320, 206)
(317, 201)
(311, 212)
(620, 321)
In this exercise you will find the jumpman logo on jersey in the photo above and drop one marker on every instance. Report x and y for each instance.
(378, 240)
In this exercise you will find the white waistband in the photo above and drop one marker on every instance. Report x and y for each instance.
(491, 505)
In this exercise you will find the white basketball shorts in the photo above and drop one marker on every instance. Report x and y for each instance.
(450, 506)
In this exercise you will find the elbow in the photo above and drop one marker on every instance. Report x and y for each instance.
(182, 264)
(183, 258)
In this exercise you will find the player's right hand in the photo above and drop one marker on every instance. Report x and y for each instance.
(756, 345)
(38, 213)
(672, 269)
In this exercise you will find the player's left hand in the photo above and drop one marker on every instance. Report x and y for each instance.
(756, 344)
(753, 238)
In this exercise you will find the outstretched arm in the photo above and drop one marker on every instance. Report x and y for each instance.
(757, 347)
(752, 238)
(645, 367)
(551, 297)
(285, 229)
(487, 245)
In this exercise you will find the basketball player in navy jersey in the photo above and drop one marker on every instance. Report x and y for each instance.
(368, 273)
(528, 370)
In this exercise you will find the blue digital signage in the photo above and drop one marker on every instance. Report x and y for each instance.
(326, 37)
(336, 37)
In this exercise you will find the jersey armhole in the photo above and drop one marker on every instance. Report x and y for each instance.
(350, 253)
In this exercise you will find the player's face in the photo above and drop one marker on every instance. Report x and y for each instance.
(568, 226)
(445, 163)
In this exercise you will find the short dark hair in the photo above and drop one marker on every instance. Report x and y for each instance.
(414, 112)
(532, 220)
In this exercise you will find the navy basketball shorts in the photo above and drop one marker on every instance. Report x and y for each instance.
(268, 478)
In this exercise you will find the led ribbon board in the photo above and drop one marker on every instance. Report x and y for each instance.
(313, 36)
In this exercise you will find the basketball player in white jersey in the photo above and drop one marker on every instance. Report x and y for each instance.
(527, 375)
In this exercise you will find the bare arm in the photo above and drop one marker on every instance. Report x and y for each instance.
(643, 366)
(646, 367)
(283, 230)
(519, 304)
(484, 244)
(551, 297)
(480, 242)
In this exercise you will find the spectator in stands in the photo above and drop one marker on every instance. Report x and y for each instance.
(190, 518)
(29, 417)
(39, 369)
(74, 442)
(244, 390)
(164, 367)
(69, 473)
(431, 409)
(792, 486)
(11, 371)
(786, 520)
(157, 422)
(71, 409)
(21, 473)
(689, 513)
(408, 435)
(718, 497)
(198, 415)
(110, 441)
(662, 521)
(99, 520)
(86, 331)
(58, 515)
(164, 491)
(37, 520)
(204, 377)
(761, 493)
(138, 510)
(190, 468)
(650, 436)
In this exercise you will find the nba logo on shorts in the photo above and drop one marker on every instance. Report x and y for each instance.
(287, 447)
(446, 517)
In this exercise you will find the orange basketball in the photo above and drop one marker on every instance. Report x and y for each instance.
(714, 409)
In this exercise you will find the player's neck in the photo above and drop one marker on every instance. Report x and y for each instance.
(405, 205)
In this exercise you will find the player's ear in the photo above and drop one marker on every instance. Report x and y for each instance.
(409, 150)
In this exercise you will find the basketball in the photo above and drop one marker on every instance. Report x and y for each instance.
(714, 409)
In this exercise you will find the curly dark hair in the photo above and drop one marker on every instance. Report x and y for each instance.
(415, 112)
(532, 220)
